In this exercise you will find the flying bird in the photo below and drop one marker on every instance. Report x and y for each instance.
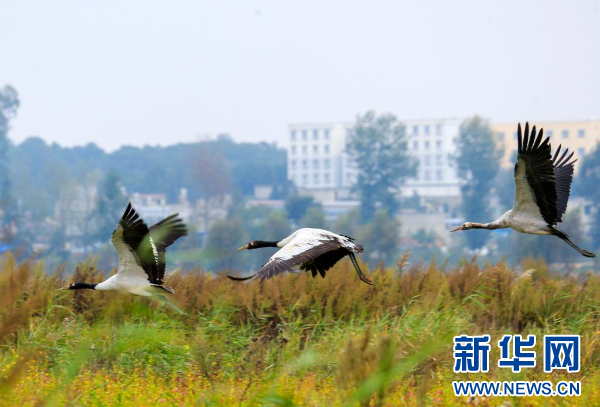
(142, 260)
(543, 185)
(314, 250)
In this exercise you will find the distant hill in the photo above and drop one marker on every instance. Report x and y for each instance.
(39, 171)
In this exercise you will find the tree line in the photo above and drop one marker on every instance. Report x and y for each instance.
(378, 144)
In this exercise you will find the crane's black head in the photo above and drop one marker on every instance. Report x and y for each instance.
(256, 244)
(79, 286)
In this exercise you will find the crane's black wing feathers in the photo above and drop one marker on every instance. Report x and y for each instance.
(319, 257)
(161, 235)
(539, 169)
(563, 171)
(148, 244)
(272, 268)
(134, 228)
(324, 262)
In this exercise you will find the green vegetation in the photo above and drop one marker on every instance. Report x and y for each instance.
(379, 146)
(9, 104)
(585, 185)
(294, 340)
(477, 162)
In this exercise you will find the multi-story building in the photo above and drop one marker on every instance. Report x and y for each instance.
(578, 136)
(317, 160)
(432, 142)
(153, 207)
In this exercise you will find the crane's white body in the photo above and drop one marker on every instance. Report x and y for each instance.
(131, 277)
(524, 222)
(305, 239)
(525, 217)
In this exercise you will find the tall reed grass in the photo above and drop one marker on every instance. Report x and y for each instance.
(292, 340)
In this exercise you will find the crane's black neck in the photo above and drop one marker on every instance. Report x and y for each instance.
(261, 243)
(80, 286)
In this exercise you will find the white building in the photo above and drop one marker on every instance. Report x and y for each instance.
(316, 157)
(154, 207)
(432, 142)
(317, 160)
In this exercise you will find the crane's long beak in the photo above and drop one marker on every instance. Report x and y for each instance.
(242, 248)
(457, 229)
(63, 288)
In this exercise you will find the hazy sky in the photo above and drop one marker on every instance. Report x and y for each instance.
(161, 72)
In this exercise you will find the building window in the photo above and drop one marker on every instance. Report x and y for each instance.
(415, 130)
(316, 178)
(581, 151)
(438, 129)
(304, 149)
(438, 144)
(326, 134)
(416, 145)
(549, 133)
(326, 147)
(427, 175)
(326, 177)
(326, 163)
(315, 134)
(293, 135)
(305, 165)
(500, 136)
(426, 130)
(304, 135)
(439, 175)
(304, 179)
(581, 133)
(293, 164)
(293, 150)
(315, 164)
(565, 134)
(427, 145)
(426, 161)
(315, 148)
(439, 159)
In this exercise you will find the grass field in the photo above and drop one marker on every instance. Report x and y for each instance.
(294, 340)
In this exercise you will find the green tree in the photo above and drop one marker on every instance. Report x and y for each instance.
(224, 235)
(57, 245)
(110, 204)
(505, 188)
(9, 104)
(378, 146)
(589, 175)
(380, 238)
(425, 237)
(347, 223)
(477, 161)
(275, 226)
(296, 206)
(212, 171)
(314, 218)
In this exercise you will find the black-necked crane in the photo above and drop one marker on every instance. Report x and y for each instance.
(141, 250)
(314, 250)
(543, 185)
